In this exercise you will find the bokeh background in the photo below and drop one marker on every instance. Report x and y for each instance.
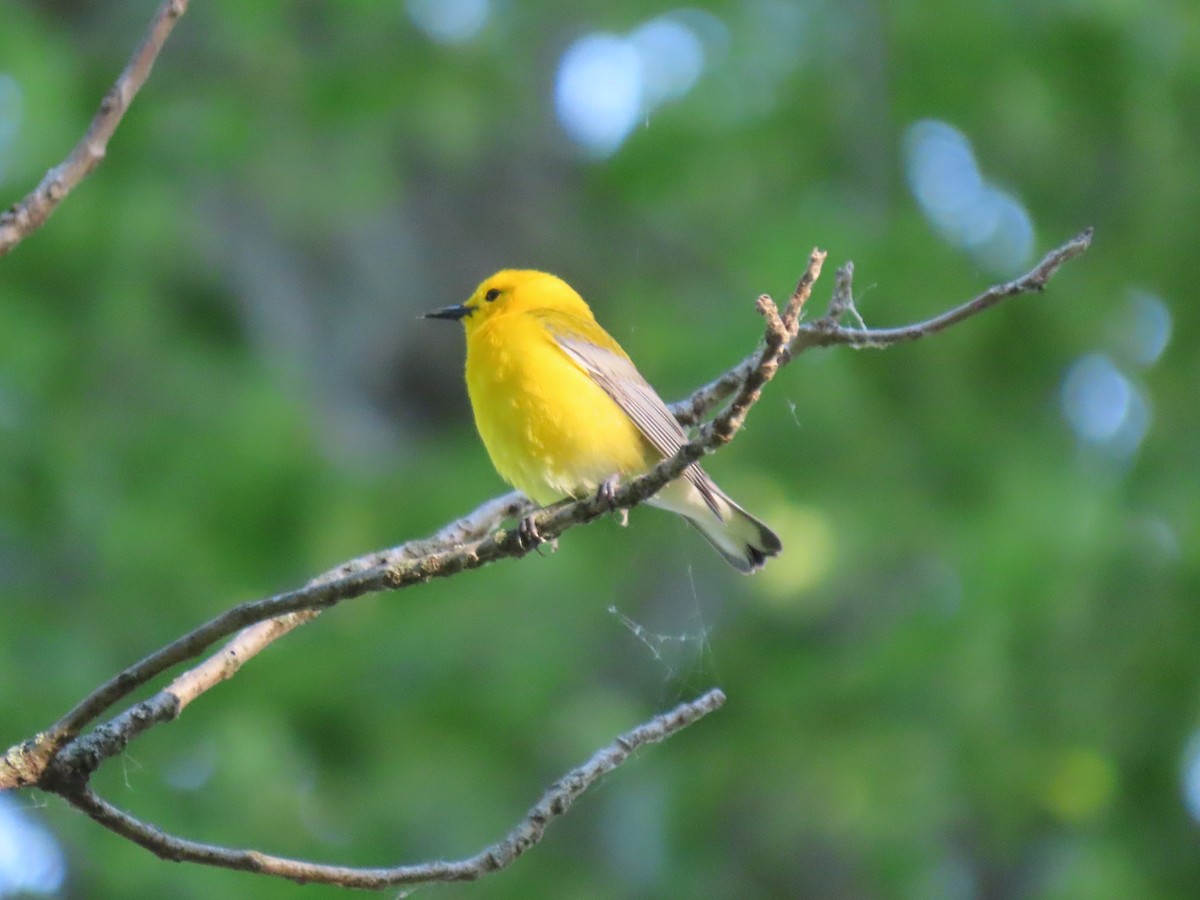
(975, 671)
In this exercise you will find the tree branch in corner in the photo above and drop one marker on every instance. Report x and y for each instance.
(31, 212)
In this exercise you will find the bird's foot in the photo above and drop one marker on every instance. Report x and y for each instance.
(607, 494)
(530, 539)
(527, 533)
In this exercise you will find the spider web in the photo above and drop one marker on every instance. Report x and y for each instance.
(685, 658)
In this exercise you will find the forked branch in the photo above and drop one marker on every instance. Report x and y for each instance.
(555, 802)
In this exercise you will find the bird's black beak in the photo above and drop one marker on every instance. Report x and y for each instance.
(449, 312)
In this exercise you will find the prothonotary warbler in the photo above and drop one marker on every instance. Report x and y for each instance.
(562, 410)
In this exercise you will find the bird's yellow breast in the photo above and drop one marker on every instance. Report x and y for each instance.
(550, 430)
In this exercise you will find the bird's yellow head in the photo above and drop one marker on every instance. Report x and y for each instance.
(512, 292)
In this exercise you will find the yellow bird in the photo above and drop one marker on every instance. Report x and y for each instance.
(562, 410)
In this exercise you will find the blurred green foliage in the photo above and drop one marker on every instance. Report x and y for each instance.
(974, 672)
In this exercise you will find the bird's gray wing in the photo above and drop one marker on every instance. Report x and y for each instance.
(620, 379)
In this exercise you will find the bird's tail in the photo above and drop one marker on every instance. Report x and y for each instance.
(744, 541)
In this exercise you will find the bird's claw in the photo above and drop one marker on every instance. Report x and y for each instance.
(527, 533)
(607, 494)
(530, 539)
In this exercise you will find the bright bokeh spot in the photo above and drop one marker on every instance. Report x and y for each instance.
(1191, 777)
(1079, 784)
(31, 861)
(942, 173)
(598, 93)
(608, 83)
(10, 118)
(1102, 406)
(1004, 242)
(710, 31)
(1148, 329)
(991, 224)
(808, 540)
(672, 58)
(1096, 398)
(449, 21)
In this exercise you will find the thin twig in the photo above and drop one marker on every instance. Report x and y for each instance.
(557, 799)
(828, 330)
(30, 213)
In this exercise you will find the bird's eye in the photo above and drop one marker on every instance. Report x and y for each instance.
(491, 295)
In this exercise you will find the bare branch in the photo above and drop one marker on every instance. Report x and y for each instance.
(350, 579)
(466, 543)
(557, 799)
(828, 330)
(30, 213)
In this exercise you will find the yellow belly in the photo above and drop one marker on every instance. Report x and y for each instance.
(549, 429)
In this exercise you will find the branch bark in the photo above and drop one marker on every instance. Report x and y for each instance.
(30, 213)
(828, 331)
(555, 802)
